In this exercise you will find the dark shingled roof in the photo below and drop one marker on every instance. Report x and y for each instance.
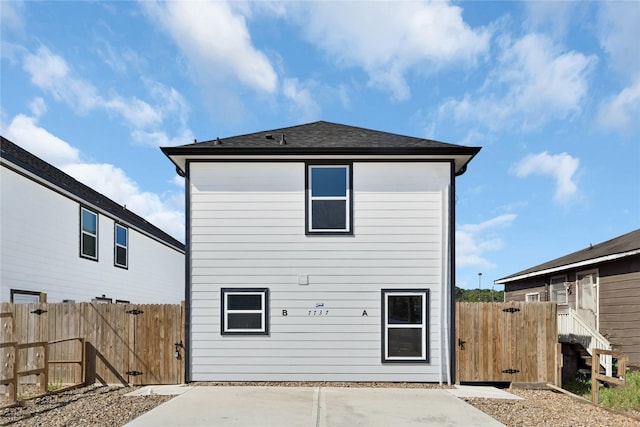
(627, 243)
(322, 135)
(59, 179)
(321, 138)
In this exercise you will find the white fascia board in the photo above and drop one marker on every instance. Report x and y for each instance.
(181, 161)
(584, 263)
(12, 166)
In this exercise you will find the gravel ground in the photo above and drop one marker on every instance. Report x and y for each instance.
(108, 406)
(94, 405)
(545, 408)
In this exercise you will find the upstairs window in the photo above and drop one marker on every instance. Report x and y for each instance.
(88, 234)
(329, 199)
(121, 249)
(244, 311)
(558, 288)
(532, 297)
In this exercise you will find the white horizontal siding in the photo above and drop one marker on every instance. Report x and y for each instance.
(248, 230)
(39, 251)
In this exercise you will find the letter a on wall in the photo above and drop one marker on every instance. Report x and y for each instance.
(364, 313)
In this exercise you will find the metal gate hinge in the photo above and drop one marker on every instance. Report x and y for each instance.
(39, 311)
(510, 310)
(510, 371)
(135, 311)
(133, 373)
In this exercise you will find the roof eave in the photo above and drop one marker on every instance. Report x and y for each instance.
(584, 263)
(460, 154)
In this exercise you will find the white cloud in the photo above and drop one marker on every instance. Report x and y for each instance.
(38, 107)
(618, 35)
(303, 103)
(12, 16)
(621, 112)
(473, 241)
(216, 40)
(24, 130)
(51, 73)
(164, 212)
(562, 168)
(390, 39)
(534, 81)
(553, 17)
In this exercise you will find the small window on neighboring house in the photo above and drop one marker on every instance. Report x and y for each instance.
(245, 311)
(404, 329)
(532, 297)
(558, 289)
(27, 297)
(88, 234)
(121, 249)
(329, 199)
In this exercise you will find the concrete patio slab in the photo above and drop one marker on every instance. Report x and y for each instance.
(486, 392)
(314, 407)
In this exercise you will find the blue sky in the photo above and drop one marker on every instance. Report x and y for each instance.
(550, 90)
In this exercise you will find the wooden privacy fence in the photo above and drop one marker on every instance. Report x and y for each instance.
(129, 344)
(507, 342)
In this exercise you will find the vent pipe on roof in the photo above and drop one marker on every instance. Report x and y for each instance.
(217, 141)
(282, 140)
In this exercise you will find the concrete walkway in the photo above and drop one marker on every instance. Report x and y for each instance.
(314, 407)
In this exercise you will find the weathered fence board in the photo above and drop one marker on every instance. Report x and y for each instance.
(119, 347)
(506, 342)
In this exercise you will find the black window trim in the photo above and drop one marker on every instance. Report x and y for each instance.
(116, 246)
(82, 232)
(383, 323)
(223, 310)
(307, 199)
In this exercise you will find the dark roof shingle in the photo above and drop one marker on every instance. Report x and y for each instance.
(322, 134)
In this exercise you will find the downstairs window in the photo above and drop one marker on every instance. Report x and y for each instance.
(405, 320)
(244, 311)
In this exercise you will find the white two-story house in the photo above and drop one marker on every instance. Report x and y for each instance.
(63, 241)
(320, 252)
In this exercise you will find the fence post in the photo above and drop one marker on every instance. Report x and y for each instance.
(595, 384)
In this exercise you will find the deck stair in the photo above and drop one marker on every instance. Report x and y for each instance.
(573, 329)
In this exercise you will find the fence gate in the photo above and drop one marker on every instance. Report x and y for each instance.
(155, 350)
(506, 342)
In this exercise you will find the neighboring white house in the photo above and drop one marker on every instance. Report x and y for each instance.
(320, 252)
(62, 241)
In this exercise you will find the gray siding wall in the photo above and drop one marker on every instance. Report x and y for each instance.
(620, 306)
(248, 230)
(39, 251)
(518, 291)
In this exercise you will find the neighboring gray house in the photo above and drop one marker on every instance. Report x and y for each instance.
(320, 252)
(62, 241)
(598, 294)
